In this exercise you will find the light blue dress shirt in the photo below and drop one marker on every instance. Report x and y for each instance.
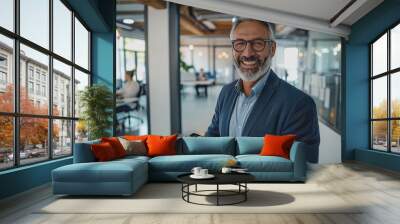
(244, 105)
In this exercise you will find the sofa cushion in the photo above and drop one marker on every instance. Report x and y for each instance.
(249, 145)
(112, 171)
(277, 145)
(208, 145)
(135, 147)
(161, 145)
(257, 163)
(185, 163)
(103, 152)
(116, 145)
(135, 137)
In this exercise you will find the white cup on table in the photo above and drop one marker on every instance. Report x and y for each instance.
(196, 171)
(203, 172)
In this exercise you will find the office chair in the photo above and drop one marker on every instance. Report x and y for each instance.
(127, 107)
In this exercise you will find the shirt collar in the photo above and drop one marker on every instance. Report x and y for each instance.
(257, 88)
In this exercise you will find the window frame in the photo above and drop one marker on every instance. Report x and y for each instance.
(16, 115)
(388, 74)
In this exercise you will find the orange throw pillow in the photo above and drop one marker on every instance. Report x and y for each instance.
(135, 137)
(103, 152)
(161, 145)
(277, 145)
(116, 145)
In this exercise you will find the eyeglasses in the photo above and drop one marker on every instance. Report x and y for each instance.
(257, 45)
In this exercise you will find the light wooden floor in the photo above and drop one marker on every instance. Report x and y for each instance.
(378, 188)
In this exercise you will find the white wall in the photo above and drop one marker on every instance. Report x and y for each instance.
(159, 83)
(330, 146)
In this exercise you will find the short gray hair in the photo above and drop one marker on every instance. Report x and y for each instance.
(237, 20)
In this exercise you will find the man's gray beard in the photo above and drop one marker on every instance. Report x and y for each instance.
(250, 76)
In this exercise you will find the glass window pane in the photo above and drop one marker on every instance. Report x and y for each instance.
(6, 142)
(130, 60)
(223, 65)
(379, 135)
(35, 21)
(379, 55)
(62, 29)
(395, 47)
(81, 131)
(6, 74)
(81, 81)
(200, 58)
(81, 45)
(33, 139)
(34, 72)
(62, 89)
(7, 14)
(62, 138)
(141, 67)
(395, 94)
(379, 97)
(395, 136)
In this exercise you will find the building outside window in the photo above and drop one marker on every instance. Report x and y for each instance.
(3, 60)
(37, 74)
(44, 77)
(43, 90)
(3, 78)
(30, 87)
(38, 89)
(30, 72)
(3, 72)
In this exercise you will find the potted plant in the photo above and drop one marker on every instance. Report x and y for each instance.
(96, 103)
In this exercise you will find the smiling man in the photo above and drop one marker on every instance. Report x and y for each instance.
(260, 102)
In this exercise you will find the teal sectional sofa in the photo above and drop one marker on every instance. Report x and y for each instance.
(125, 176)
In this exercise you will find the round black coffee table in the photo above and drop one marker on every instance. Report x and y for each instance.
(238, 179)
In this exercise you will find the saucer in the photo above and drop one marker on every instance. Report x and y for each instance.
(208, 176)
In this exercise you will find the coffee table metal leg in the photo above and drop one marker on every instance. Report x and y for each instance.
(196, 188)
(217, 194)
(245, 193)
(188, 189)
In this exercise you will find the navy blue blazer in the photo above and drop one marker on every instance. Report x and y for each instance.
(280, 109)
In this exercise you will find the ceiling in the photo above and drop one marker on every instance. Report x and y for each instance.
(194, 22)
(327, 16)
(320, 9)
(214, 17)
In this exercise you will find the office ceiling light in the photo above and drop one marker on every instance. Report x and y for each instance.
(128, 21)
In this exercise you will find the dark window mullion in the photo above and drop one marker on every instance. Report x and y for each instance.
(16, 83)
(136, 65)
(89, 52)
(124, 53)
(371, 137)
(73, 81)
(50, 81)
(382, 119)
(389, 113)
(84, 70)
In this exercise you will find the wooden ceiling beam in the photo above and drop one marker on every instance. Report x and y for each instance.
(157, 4)
(188, 25)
